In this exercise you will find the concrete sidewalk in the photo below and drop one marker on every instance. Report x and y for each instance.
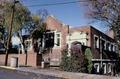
(63, 74)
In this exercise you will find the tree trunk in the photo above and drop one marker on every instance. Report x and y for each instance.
(10, 33)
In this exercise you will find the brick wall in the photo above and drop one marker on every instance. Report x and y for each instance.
(33, 59)
(54, 25)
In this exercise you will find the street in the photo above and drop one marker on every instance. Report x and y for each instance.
(13, 74)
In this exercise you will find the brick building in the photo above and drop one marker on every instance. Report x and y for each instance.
(60, 32)
(102, 46)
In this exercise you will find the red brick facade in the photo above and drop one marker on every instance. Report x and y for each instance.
(54, 25)
(105, 51)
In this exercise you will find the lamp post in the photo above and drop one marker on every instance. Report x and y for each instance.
(10, 32)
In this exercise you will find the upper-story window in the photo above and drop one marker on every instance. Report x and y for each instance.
(103, 44)
(96, 41)
(57, 39)
(114, 48)
(108, 46)
(111, 47)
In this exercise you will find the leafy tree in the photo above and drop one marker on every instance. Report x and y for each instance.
(21, 15)
(37, 32)
(40, 27)
(88, 60)
(15, 15)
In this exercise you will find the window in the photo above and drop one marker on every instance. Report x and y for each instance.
(103, 45)
(96, 42)
(109, 68)
(96, 66)
(108, 46)
(114, 48)
(104, 67)
(111, 47)
(57, 39)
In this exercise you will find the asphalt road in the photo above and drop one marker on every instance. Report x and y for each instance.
(13, 74)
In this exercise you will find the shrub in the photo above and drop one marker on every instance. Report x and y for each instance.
(88, 60)
(65, 60)
(74, 62)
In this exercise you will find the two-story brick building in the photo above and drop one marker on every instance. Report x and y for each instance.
(102, 46)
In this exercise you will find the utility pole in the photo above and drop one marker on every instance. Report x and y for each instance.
(10, 32)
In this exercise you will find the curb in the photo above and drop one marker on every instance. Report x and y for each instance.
(8, 67)
(67, 75)
(37, 72)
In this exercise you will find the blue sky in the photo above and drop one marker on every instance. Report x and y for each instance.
(71, 14)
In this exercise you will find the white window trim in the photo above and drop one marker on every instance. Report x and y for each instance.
(102, 39)
(105, 44)
(97, 41)
(112, 47)
(109, 68)
(98, 68)
(109, 46)
(105, 70)
(55, 39)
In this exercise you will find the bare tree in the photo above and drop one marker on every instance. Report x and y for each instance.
(107, 11)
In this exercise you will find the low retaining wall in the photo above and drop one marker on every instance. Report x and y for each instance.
(2, 58)
(33, 59)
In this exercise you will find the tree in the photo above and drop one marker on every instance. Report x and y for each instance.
(65, 61)
(107, 11)
(40, 27)
(14, 17)
(37, 32)
(88, 60)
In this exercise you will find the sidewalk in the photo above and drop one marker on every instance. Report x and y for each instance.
(63, 74)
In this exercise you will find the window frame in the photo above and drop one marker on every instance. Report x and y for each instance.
(56, 39)
(96, 43)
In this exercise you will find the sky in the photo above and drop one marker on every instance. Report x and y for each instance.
(71, 14)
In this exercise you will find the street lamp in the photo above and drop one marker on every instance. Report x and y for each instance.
(10, 31)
